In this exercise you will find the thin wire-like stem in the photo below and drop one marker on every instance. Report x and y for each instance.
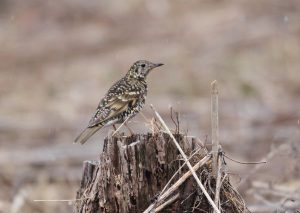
(57, 200)
(240, 162)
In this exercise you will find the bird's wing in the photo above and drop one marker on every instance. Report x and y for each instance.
(113, 106)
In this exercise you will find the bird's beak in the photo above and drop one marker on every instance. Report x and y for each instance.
(158, 65)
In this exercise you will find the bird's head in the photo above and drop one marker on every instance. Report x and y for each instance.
(140, 69)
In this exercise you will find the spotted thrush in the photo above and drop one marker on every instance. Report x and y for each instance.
(122, 101)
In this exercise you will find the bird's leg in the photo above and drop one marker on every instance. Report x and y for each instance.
(115, 127)
(131, 132)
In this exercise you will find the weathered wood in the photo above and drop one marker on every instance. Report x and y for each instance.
(132, 171)
(90, 170)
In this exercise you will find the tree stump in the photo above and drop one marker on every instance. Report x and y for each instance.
(132, 171)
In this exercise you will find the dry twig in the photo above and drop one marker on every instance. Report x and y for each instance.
(178, 183)
(188, 163)
(216, 162)
(218, 183)
(240, 162)
(214, 127)
(168, 202)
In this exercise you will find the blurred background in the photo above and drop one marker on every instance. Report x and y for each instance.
(58, 58)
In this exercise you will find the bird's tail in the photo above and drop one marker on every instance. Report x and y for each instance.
(86, 134)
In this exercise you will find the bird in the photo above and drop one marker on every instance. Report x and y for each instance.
(123, 100)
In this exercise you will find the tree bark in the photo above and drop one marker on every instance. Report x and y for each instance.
(130, 173)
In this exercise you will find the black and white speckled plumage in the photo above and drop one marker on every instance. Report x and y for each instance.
(123, 100)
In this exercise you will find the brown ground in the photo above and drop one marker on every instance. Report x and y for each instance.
(59, 57)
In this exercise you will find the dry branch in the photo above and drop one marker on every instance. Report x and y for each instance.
(168, 202)
(216, 162)
(218, 183)
(214, 126)
(187, 162)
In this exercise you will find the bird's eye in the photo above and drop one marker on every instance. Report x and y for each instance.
(143, 65)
